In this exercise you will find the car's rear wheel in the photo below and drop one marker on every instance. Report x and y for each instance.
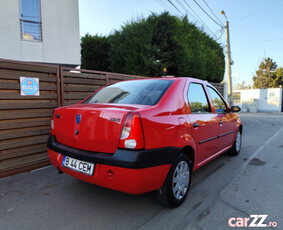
(235, 150)
(176, 186)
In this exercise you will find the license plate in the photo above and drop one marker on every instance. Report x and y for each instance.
(78, 165)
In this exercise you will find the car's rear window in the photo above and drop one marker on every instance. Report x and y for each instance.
(140, 92)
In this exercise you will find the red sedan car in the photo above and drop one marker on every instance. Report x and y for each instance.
(143, 135)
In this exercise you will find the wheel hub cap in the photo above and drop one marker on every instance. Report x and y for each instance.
(238, 141)
(181, 179)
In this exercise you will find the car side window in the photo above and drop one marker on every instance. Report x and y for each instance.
(218, 103)
(198, 99)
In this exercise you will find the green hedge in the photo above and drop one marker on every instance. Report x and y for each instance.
(147, 46)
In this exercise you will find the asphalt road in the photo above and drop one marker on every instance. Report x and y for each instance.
(250, 183)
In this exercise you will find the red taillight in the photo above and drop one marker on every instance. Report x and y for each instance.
(132, 132)
(52, 123)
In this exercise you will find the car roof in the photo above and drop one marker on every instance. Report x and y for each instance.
(189, 79)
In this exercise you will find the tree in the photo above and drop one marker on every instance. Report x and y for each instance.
(146, 46)
(242, 85)
(162, 41)
(278, 81)
(95, 53)
(267, 76)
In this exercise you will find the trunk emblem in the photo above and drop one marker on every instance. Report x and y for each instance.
(78, 118)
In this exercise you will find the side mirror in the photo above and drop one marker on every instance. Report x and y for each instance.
(235, 109)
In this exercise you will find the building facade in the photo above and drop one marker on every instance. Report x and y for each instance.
(259, 100)
(44, 31)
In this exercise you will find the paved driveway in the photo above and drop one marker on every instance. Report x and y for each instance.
(226, 187)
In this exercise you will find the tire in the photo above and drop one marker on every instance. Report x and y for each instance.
(176, 186)
(235, 150)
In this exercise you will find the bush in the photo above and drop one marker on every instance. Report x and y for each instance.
(95, 53)
(147, 46)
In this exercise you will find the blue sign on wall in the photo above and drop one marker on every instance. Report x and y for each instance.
(29, 86)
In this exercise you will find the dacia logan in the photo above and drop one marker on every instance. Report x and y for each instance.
(144, 135)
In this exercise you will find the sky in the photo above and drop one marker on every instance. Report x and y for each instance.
(256, 26)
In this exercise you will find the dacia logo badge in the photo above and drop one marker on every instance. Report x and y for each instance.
(78, 118)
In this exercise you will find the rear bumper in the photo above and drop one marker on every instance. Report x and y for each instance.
(128, 171)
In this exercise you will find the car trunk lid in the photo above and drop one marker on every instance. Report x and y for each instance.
(92, 127)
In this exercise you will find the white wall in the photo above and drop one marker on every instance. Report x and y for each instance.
(266, 100)
(60, 33)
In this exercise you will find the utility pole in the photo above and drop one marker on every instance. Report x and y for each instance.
(229, 62)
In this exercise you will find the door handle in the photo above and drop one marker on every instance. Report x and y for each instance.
(195, 125)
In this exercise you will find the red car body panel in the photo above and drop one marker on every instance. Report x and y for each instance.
(97, 133)
(133, 181)
(167, 125)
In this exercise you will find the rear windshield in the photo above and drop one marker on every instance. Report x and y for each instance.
(140, 92)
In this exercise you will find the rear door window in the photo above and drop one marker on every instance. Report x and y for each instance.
(198, 99)
(139, 92)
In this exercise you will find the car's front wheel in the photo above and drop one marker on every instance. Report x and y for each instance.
(235, 150)
(176, 186)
